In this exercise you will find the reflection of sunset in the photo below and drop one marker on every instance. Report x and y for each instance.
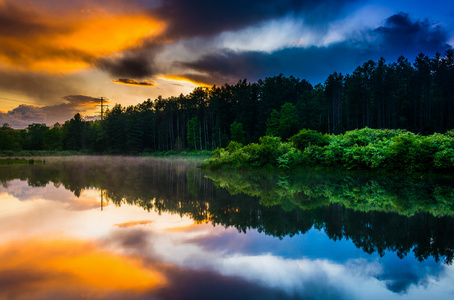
(73, 266)
(196, 226)
(133, 224)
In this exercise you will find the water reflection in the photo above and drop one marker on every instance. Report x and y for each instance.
(307, 236)
(65, 266)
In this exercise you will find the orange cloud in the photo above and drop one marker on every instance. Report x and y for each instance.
(180, 78)
(143, 83)
(133, 224)
(70, 267)
(37, 40)
(186, 228)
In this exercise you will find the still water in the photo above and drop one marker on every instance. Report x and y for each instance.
(146, 228)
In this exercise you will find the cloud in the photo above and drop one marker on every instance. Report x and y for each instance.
(196, 79)
(145, 83)
(36, 37)
(400, 275)
(134, 223)
(204, 17)
(62, 268)
(311, 63)
(398, 36)
(24, 115)
(186, 21)
(400, 33)
(83, 100)
(39, 88)
(137, 65)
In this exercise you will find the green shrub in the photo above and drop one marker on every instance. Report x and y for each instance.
(313, 156)
(288, 156)
(307, 137)
(268, 149)
(444, 159)
(233, 146)
(365, 136)
(362, 149)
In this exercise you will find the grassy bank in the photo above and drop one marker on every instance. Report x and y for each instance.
(198, 153)
(361, 149)
(20, 161)
(27, 153)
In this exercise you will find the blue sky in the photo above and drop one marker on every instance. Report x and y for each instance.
(58, 58)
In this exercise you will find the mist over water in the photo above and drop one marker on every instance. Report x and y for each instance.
(152, 228)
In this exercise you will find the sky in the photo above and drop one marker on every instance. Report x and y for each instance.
(58, 58)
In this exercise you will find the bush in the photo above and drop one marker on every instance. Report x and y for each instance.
(268, 149)
(307, 137)
(288, 156)
(444, 159)
(233, 146)
(366, 149)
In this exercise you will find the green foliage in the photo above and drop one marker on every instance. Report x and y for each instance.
(10, 139)
(364, 149)
(233, 146)
(191, 135)
(288, 122)
(307, 190)
(20, 161)
(307, 137)
(284, 123)
(237, 132)
(272, 123)
(53, 138)
(35, 136)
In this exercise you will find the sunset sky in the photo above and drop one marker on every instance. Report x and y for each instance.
(58, 58)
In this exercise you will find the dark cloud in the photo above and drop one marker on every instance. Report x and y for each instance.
(201, 284)
(313, 64)
(133, 239)
(401, 34)
(186, 19)
(206, 17)
(137, 65)
(24, 115)
(400, 275)
(83, 100)
(15, 283)
(16, 21)
(145, 83)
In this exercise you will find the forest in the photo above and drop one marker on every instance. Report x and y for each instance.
(417, 97)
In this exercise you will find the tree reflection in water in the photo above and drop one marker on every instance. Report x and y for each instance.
(377, 213)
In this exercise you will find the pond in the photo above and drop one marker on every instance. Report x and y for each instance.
(150, 228)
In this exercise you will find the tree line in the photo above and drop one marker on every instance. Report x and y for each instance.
(418, 97)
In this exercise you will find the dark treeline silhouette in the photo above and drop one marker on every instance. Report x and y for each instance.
(275, 206)
(418, 97)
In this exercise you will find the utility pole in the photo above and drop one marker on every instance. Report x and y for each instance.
(102, 108)
(102, 202)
